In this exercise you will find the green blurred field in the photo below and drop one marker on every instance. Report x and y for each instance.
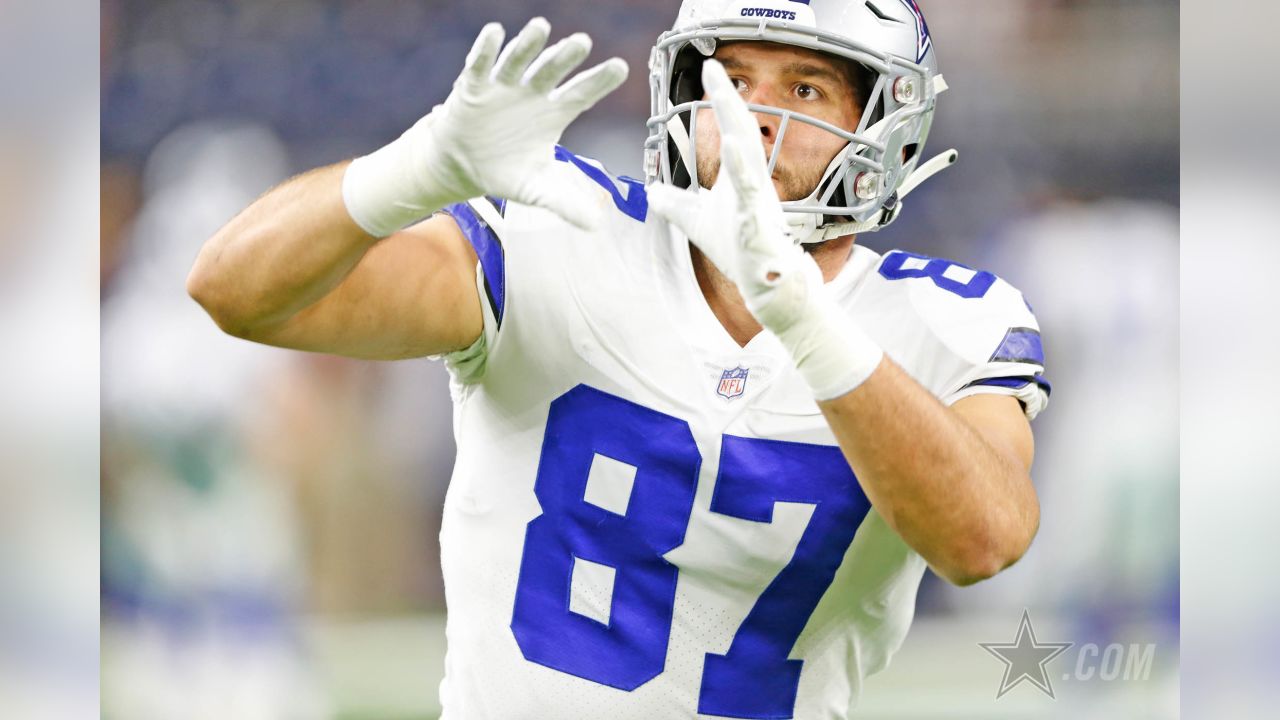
(389, 669)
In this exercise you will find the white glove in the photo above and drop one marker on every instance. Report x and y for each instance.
(739, 225)
(495, 134)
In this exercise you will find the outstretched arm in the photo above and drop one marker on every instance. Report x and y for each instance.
(953, 482)
(321, 262)
(294, 270)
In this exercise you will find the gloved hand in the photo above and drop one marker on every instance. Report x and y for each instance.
(739, 225)
(494, 135)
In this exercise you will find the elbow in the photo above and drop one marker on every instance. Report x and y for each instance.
(205, 287)
(201, 287)
(972, 572)
(989, 550)
(985, 557)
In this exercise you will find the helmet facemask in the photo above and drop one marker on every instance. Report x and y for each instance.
(860, 189)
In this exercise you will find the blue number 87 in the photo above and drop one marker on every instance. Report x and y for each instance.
(755, 678)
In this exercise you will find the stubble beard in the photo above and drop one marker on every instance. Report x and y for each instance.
(790, 184)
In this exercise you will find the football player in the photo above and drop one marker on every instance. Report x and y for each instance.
(707, 444)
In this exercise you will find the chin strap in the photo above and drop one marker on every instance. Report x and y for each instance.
(893, 207)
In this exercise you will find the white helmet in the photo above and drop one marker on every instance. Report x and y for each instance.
(866, 180)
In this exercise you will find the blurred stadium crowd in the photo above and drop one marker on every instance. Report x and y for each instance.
(260, 506)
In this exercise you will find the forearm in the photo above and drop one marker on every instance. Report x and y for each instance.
(304, 267)
(966, 506)
(284, 252)
(952, 482)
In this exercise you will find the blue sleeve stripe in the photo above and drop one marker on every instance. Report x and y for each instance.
(1013, 383)
(636, 203)
(499, 204)
(488, 248)
(1021, 345)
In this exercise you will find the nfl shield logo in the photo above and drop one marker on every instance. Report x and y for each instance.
(732, 383)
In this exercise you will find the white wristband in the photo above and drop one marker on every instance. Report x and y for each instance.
(384, 191)
(831, 352)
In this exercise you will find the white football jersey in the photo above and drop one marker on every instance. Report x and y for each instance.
(647, 520)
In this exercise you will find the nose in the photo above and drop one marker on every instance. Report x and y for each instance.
(765, 94)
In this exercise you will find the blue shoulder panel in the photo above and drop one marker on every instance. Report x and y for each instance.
(1020, 345)
(488, 248)
(636, 202)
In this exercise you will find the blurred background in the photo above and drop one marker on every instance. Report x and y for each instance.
(269, 518)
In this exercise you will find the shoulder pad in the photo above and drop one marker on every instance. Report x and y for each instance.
(972, 316)
(969, 310)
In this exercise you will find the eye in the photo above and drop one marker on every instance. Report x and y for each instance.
(807, 92)
(739, 84)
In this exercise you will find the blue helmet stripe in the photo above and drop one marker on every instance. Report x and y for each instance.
(923, 40)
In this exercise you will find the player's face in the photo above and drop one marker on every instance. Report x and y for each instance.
(789, 78)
